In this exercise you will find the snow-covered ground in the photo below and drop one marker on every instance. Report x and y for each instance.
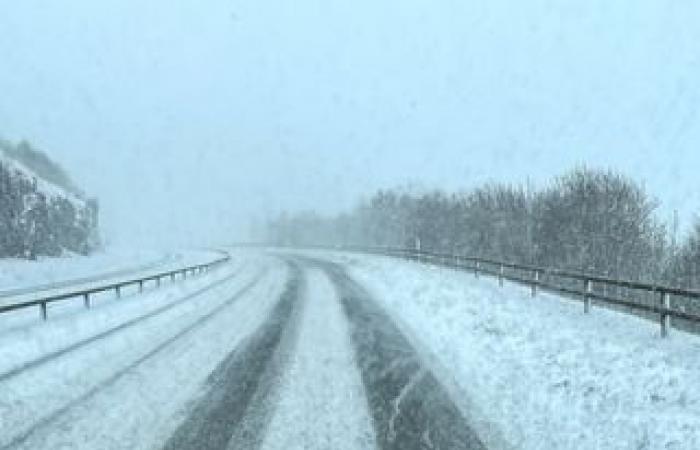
(322, 403)
(527, 373)
(22, 281)
(539, 371)
(128, 388)
(76, 273)
(19, 273)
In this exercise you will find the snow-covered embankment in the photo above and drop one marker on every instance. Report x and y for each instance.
(547, 376)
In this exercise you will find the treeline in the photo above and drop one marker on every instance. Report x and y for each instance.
(35, 221)
(586, 220)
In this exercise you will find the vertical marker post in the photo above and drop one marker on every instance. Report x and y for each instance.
(665, 318)
(587, 290)
(535, 282)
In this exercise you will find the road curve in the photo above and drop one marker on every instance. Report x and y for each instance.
(288, 353)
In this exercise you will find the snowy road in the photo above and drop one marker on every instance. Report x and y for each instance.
(332, 351)
(271, 353)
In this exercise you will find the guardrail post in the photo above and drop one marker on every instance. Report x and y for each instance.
(158, 281)
(118, 291)
(587, 290)
(665, 318)
(140, 286)
(86, 300)
(44, 313)
(476, 269)
(501, 271)
(184, 274)
(535, 282)
(172, 277)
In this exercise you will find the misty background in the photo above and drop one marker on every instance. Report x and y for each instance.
(193, 122)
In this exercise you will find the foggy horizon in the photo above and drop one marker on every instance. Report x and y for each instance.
(191, 123)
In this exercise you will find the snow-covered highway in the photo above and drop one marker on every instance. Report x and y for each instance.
(329, 351)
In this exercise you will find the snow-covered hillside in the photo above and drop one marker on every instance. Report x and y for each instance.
(40, 218)
(49, 189)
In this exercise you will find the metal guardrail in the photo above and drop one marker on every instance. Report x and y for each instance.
(535, 277)
(14, 292)
(117, 287)
(588, 287)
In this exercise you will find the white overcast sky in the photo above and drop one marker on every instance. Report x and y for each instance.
(188, 118)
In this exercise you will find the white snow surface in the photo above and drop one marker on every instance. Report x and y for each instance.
(23, 280)
(540, 371)
(528, 373)
(322, 402)
(20, 273)
(140, 408)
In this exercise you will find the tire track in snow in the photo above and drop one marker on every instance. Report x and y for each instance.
(410, 408)
(241, 391)
(21, 438)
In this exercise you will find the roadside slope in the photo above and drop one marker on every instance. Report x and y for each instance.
(546, 374)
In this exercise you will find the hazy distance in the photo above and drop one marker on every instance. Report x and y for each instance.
(193, 120)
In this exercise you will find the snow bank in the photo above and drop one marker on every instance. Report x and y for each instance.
(547, 375)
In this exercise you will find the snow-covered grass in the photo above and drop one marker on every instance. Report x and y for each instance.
(544, 373)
